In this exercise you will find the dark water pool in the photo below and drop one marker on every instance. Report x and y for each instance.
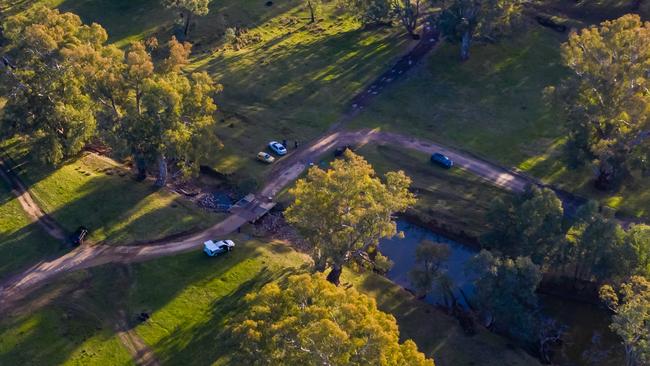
(588, 341)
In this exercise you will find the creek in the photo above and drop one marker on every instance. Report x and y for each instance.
(587, 341)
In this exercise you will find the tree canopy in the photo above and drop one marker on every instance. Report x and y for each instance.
(631, 320)
(189, 7)
(606, 101)
(463, 20)
(529, 224)
(505, 290)
(70, 87)
(49, 99)
(597, 248)
(305, 320)
(168, 114)
(344, 211)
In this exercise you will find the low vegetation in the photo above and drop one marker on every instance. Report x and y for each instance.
(189, 310)
(22, 243)
(453, 201)
(102, 195)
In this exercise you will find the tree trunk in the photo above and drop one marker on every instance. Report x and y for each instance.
(464, 45)
(162, 171)
(335, 274)
(311, 12)
(141, 166)
(188, 16)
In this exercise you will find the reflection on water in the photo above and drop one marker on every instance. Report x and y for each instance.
(588, 342)
(402, 253)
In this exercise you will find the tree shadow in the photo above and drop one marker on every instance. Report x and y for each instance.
(57, 319)
(22, 243)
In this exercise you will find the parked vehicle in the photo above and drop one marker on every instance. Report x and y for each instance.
(277, 148)
(442, 160)
(78, 237)
(213, 249)
(341, 150)
(262, 156)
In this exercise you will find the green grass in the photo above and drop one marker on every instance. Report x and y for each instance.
(100, 194)
(191, 298)
(594, 11)
(294, 83)
(454, 200)
(493, 106)
(22, 243)
(68, 331)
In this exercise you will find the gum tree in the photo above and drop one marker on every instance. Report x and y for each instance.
(305, 320)
(344, 211)
(189, 7)
(606, 100)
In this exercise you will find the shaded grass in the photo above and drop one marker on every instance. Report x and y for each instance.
(191, 297)
(192, 311)
(291, 83)
(436, 334)
(67, 331)
(453, 200)
(22, 243)
(493, 106)
(100, 194)
(294, 83)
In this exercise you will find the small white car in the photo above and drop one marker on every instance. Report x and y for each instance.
(277, 148)
(213, 249)
(262, 156)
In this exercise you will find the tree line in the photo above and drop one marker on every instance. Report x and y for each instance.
(67, 87)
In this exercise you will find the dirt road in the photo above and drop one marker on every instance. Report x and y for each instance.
(286, 171)
(33, 211)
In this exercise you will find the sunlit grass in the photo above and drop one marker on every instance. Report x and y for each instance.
(22, 243)
(99, 193)
(454, 200)
(59, 336)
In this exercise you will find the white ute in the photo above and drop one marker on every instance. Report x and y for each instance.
(213, 249)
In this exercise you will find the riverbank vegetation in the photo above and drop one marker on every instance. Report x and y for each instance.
(533, 100)
(80, 311)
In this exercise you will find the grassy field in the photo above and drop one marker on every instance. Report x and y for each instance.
(294, 82)
(454, 200)
(22, 242)
(190, 297)
(62, 325)
(287, 79)
(493, 106)
(100, 194)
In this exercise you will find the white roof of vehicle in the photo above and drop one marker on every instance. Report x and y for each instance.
(210, 245)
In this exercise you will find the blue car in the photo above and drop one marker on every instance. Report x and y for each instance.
(442, 160)
(277, 148)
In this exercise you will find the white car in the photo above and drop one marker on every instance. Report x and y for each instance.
(213, 249)
(277, 148)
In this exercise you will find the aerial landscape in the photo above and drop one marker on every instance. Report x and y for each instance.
(325, 182)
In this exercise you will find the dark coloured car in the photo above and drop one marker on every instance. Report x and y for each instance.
(78, 237)
(442, 160)
(341, 150)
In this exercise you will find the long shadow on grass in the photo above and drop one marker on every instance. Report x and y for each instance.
(51, 325)
(196, 345)
(24, 248)
(297, 80)
(22, 243)
(191, 297)
(120, 210)
(57, 319)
